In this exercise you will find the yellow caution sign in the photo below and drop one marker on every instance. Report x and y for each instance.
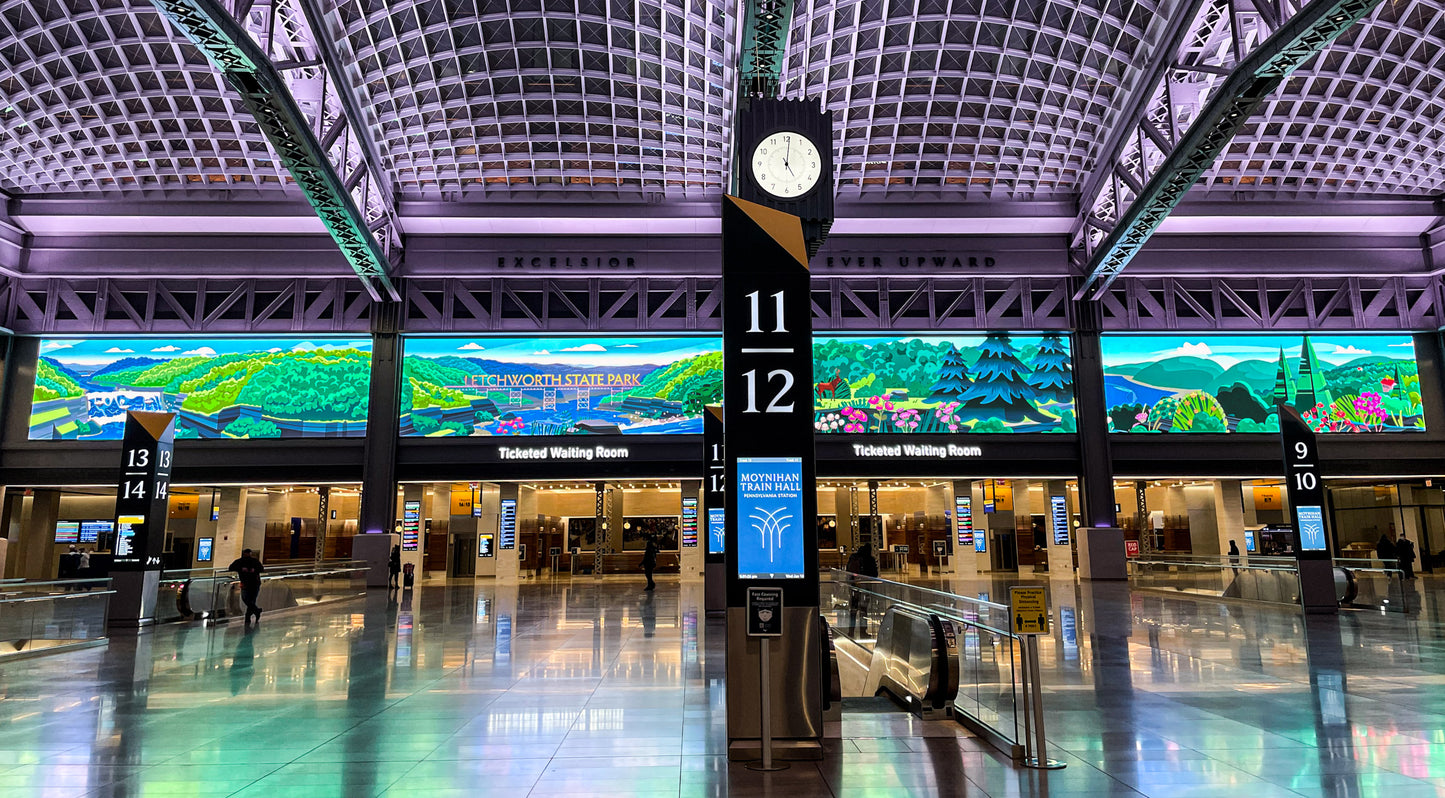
(1028, 610)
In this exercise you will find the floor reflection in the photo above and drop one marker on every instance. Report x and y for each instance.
(595, 688)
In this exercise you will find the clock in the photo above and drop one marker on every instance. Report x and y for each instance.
(786, 164)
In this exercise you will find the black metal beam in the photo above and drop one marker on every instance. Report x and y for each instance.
(1241, 94)
(252, 74)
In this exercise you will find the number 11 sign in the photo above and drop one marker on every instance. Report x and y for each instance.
(768, 403)
(1303, 481)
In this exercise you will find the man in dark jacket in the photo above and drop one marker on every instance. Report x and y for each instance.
(248, 570)
(1405, 553)
(649, 562)
(1385, 546)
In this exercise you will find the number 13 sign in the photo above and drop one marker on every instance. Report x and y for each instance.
(768, 369)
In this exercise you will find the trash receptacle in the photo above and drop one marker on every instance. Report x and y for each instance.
(408, 574)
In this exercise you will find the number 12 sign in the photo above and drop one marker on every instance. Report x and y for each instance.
(1303, 482)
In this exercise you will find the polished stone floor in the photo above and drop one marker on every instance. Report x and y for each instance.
(595, 688)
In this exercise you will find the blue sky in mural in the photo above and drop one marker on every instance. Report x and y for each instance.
(1227, 350)
(100, 351)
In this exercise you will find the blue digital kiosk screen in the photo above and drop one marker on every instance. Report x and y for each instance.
(717, 529)
(1311, 528)
(770, 518)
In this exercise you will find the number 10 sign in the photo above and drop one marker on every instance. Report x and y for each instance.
(1303, 482)
(767, 399)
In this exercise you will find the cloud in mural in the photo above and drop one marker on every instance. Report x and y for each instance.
(472, 346)
(626, 346)
(167, 348)
(275, 349)
(542, 352)
(586, 348)
(1405, 343)
(1200, 349)
(203, 351)
(51, 346)
(304, 346)
(115, 350)
(1350, 350)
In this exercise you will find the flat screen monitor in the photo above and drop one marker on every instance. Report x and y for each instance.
(67, 532)
(770, 518)
(90, 531)
(203, 549)
(689, 522)
(410, 526)
(484, 544)
(125, 534)
(508, 524)
(1249, 540)
(716, 530)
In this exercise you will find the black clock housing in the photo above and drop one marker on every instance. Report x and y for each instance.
(760, 118)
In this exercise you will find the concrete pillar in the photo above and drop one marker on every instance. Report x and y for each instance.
(230, 526)
(506, 560)
(1025, 508)
(206, 528)
(1229, 514)
(965, 558)
(383, 423)
(1409, 517)
(938, 499)
(12, 518)
(490, 499)
(37, 541)
(692, 559)
(847, 520)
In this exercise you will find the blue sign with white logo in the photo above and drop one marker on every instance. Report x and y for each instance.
(1249, 541)
(770, 518)
(1311, 528)
(716, 529)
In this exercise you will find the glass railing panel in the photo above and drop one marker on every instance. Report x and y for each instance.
(35, 616)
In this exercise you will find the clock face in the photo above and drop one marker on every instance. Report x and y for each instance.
(786, 164)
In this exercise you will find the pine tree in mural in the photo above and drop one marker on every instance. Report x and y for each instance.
(1283, 383)
(1052, 377)
(1000, 388)
(953, 378)
(1312, 389)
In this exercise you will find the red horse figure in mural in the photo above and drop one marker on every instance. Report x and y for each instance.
(831, 386)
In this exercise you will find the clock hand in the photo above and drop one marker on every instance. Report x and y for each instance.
(786, 152)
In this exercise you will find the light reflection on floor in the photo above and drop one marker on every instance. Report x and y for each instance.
(595, 688)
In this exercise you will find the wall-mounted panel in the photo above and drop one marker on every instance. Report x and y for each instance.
(218, 387)
(1233, 383)
(481, 386)
(995, 383)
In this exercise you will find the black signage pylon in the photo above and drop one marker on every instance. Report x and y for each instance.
(142, 504)
(1304, 484)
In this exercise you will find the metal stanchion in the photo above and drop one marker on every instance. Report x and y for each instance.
(1040, 758)
(765, 616)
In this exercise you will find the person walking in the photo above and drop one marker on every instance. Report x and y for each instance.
(393, 568)
(1405, 553)
(248, 570)
(649, 561)
(861, 564)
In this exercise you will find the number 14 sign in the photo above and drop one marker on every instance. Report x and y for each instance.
(1303, 482)
(142, 501)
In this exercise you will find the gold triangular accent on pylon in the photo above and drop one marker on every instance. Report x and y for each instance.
(784, 228)
(154, 423)
(715, 411)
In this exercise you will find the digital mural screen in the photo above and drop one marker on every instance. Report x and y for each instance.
(1234, 383)
(480, 386)
(217, 387)
(1000, 382)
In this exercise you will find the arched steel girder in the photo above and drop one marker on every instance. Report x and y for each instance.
(1151, 175)
(765, 40)
(328, 154)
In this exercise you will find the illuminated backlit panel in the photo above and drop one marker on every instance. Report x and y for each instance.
(518, 97)
(969, 97)
(1233, 383)
(558, 386)
(1001, 382)
(218, 387)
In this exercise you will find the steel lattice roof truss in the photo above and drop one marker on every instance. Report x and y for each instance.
(101, 96)
(271, 56)
(549, 98)
(1233, 57)
(996, 99)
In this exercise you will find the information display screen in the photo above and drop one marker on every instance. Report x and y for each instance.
(963, 519)
(90, 531)
(203, 549)
(717, 530)
(1311, 528)
(770, 518)
(1059, 517)
(689, 523)
(484, 544)
(67, 532)
(509, 523)
(125, 534)
(410, 526)
(980, 543)
(1249, 541)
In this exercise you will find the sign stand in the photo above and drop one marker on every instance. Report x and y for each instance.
(765, 621)
(1029, 618)
(1304, 481)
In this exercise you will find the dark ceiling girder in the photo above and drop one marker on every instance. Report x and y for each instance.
(1241, 94)
(765, 39)
(246, 67)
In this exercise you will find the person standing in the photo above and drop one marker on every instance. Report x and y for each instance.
(393, 567)
(1233, 555)
(1385, 546)
(248, 570)
(1405, 553)
(649, 562)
